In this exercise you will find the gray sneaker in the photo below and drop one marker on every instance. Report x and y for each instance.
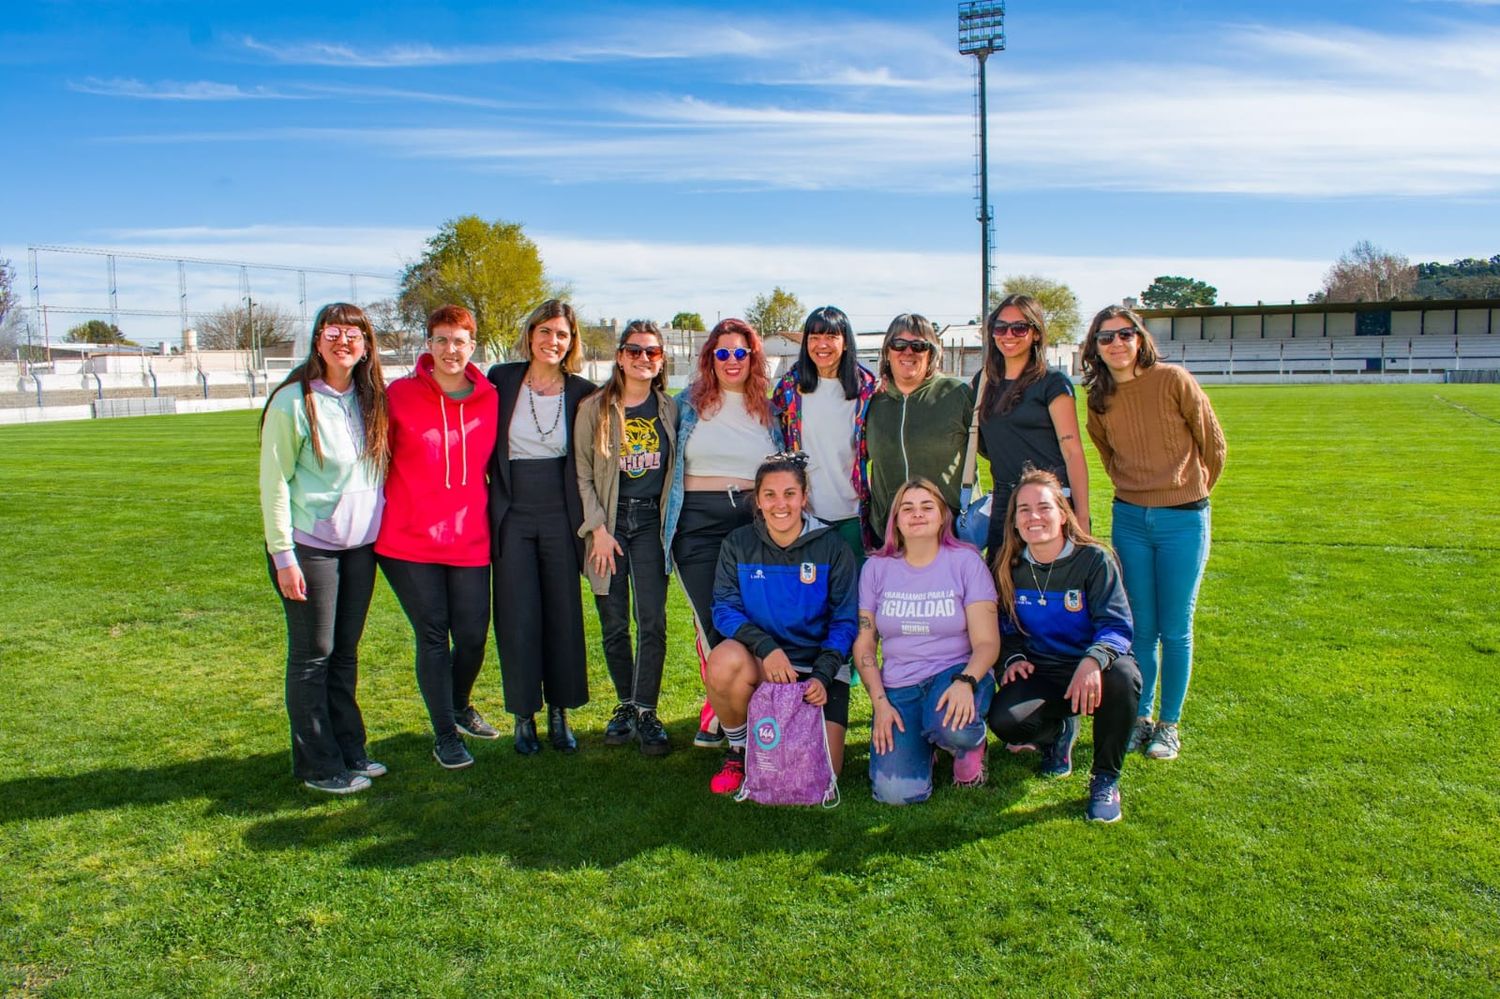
(471, 723)
(344, 783)
(450, 751)
(1140, 736)
(368, 768)
(1165, 742)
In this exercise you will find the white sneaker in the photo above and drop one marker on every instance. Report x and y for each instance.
(1165, 742)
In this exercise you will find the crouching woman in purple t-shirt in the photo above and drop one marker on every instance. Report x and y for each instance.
(929, 601)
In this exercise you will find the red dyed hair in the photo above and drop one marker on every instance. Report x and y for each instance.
(451, 315)
(705, 394)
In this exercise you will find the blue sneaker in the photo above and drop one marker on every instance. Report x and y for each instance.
(1057, 759)
(1104, 799)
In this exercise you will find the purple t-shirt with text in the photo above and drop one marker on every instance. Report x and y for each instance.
(920, 612)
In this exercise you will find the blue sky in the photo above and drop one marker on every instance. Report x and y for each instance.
(689, 156)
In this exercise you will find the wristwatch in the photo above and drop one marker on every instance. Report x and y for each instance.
(966, 678)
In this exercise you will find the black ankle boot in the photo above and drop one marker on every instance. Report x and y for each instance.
(527, 744)
(558, 732)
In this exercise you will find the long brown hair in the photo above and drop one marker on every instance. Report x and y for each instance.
(706, 394)
(994, 361)
(369, 385)
(612, 394)
(1013, 550)
(1097, 377)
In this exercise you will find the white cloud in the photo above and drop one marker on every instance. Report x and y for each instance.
(171, 90)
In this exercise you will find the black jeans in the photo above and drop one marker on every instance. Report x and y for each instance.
(322, 659)
(707, 518)
(444, 602)
(1032, 710)
(643, 567)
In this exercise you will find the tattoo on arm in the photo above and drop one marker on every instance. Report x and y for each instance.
(1065, 438)
(865, 624)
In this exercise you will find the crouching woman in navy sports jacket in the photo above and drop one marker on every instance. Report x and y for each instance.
(786, 596)
(1065, 635)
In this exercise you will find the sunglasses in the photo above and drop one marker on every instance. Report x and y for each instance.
(1108, 336)
(641, 350)
(1011, 331)
(901, 345)
(738, 353)
(333, 334)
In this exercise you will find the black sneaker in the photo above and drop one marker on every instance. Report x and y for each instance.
(344, 783)
(471, 723)
(621, 727)
(367, 768)
(1057, 757)
(652, 734)
(449, 750)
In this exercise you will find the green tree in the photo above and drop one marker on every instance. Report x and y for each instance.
(1467, 278)
(688, 321)
(1169, 292)
(228, 328)
(490, 268)
(1367, 273)
(599, 339)
(1059, 303)
(98, 331)
(778, 312)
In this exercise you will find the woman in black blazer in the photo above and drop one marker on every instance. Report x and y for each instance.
(535, 514)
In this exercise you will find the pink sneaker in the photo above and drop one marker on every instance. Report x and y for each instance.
(969, 770)
(731, 775)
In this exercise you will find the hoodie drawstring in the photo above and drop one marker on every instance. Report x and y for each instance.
(463, 434)
(443, 408)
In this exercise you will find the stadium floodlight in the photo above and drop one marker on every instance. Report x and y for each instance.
(981, 31)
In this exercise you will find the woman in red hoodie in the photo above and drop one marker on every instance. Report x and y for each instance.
(434, 543)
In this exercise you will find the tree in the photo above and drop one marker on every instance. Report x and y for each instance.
(599, 339)
(1367, 273)
(228, 328)
(393, 330)
(490, 268)
(1168, 292)
(688, 321)
(10, 312)
(98, 331)
(1059, 303)
(778, 312)
(1468, 278)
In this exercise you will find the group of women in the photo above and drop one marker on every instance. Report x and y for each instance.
(810, 524)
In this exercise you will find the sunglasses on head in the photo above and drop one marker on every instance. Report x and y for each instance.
(738, 353)
(1108, 336)
(641, 350)
(1011, 330)
(901, 345)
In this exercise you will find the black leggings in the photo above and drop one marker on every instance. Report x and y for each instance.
(1032, 710)
(444, 602)
(707, 518)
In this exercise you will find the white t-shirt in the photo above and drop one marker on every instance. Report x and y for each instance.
(731, 443)
(527, 437)
(828, 439)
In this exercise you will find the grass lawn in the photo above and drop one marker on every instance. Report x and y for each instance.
(1332, 827)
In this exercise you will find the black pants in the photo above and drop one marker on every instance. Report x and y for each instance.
(538, 601)
(322, 659)
(443, 603)
(707, 518)
(1032, 710)
(643, 566)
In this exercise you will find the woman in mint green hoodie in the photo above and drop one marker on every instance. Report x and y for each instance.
(323, 456)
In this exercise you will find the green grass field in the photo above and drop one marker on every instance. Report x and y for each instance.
(1332, 828)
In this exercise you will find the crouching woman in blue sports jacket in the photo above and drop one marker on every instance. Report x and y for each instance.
(1065, 634)
(786, 598)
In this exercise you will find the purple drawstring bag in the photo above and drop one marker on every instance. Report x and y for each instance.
(786, 753)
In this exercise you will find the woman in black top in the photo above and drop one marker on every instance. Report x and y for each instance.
(1027, 414)
(538, 553)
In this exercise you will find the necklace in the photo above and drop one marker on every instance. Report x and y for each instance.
(531, 395)
(1041, 587)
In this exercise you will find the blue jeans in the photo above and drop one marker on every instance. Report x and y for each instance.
(903, 776)
(1162, 554)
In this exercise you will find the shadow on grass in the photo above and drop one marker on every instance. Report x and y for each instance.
(599, 808)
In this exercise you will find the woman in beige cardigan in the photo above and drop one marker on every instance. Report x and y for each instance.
(624, 443)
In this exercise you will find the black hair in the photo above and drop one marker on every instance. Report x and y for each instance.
(786, 461)
(829, 319)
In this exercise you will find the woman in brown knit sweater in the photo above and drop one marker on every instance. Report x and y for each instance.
(1162, 447)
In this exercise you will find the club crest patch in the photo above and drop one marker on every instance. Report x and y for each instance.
(767, 733)
(1073, 600)
(809, 572)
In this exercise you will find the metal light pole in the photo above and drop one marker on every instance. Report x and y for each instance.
(981, 31)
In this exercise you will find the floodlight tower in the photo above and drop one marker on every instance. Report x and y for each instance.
(981, 31)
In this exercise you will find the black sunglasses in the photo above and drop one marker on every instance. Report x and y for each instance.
(1012, 330)
(901, 344)
(641, 350)
(1108, 336)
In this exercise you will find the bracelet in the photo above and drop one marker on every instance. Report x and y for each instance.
(966, 678)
